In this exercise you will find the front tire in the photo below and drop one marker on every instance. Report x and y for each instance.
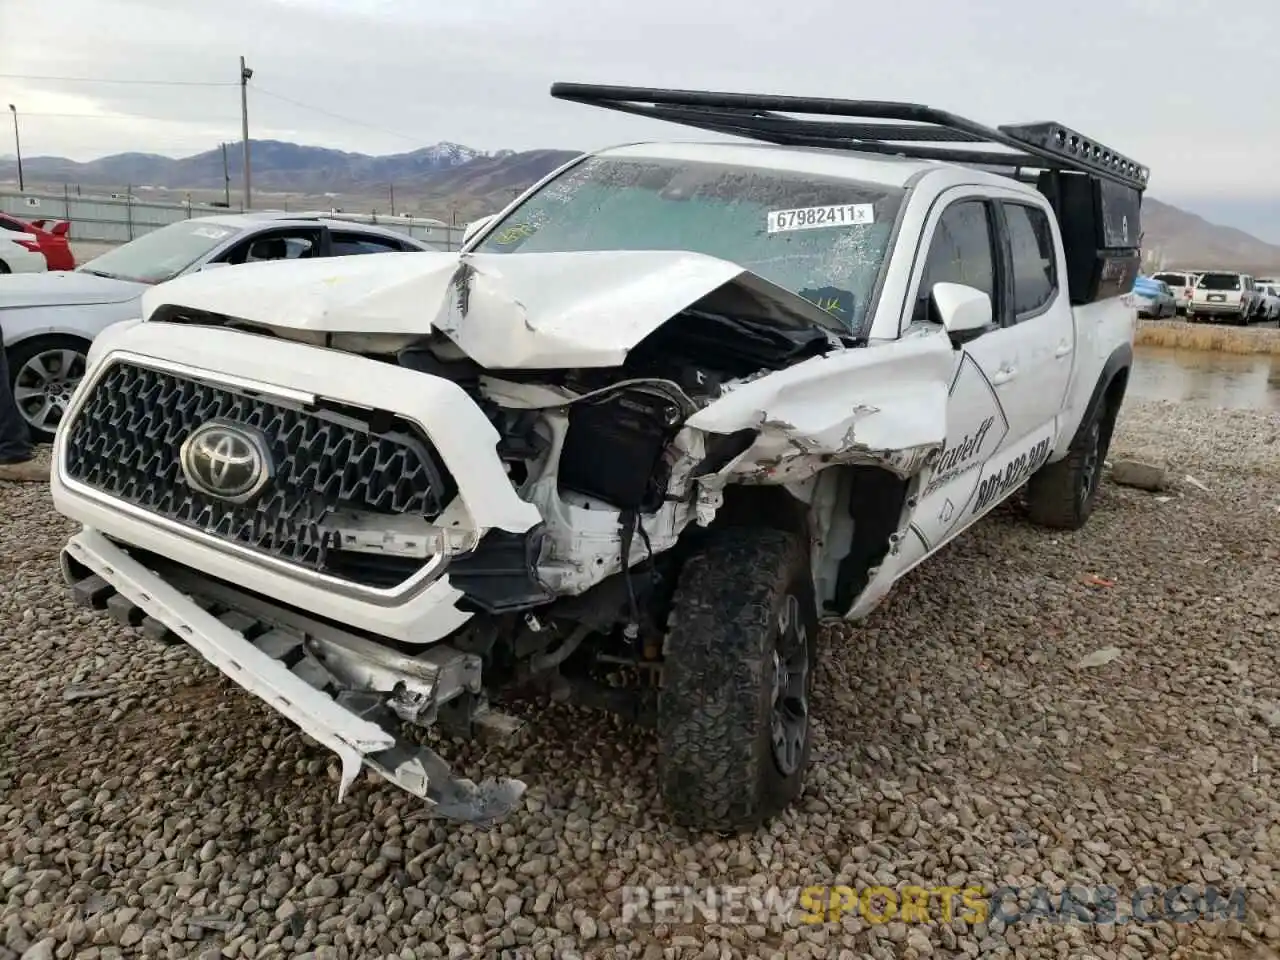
(733, 713)
(43, 374)
(1062, 495)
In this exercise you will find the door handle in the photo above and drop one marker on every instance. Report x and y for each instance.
(1064, 348)
(1003, 375)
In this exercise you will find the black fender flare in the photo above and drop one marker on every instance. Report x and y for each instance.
(1121, 359)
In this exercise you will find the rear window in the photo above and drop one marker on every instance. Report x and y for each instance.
(1219, 281)
(1173, 279)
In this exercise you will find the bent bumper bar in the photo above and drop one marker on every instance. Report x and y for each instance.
(278, 667)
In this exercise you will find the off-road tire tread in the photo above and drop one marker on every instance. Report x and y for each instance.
(717, 771)
(1051, 491)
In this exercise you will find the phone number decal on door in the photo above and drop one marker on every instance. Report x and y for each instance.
(811, 218)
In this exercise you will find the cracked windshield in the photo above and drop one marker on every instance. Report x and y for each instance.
(766, 222)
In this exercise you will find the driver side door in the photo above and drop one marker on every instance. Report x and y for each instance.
(959, 245)
(962, 245)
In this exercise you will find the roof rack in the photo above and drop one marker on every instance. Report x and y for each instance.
(1045, 145)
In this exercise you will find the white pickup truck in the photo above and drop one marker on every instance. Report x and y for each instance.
(659, 417)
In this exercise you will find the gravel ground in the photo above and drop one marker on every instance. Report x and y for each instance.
(961, 741)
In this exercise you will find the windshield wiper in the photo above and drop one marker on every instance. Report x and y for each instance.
(103, 274)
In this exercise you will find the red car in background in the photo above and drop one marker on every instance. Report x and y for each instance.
(46, 237)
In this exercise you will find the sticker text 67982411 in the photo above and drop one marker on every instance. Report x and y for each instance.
(811, 218)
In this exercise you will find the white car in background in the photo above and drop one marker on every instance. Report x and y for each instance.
(1270, 293)
(20, 252)
(1182, 283)
(48, 320)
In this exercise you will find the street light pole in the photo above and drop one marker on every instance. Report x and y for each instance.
(226, 178)
(245, 75)
(17, 144)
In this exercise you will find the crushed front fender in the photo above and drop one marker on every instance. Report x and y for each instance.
(885, 404)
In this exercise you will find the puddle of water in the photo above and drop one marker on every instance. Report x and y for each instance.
(1211, 378)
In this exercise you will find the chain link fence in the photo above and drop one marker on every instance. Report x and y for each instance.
(119, 218)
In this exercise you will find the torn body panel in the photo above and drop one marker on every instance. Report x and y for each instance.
(536, 311)
(335, 686)
(886, 406)
(594, 310)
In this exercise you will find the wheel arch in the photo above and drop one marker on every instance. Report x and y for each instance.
(1112, 383)
(1108, 389)
(849, 516)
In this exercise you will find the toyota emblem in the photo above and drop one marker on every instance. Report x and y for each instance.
(226, 460)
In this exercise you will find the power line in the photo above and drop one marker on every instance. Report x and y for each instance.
(158, 83)
(122, 116)
(335, 116)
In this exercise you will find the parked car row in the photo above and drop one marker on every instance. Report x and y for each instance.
(1210, 296)
(49, 319)
(34, 246)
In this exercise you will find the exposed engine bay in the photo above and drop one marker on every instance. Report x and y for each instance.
(607, 454)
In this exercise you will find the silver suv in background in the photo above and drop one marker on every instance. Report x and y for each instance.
(1181, 282)
(1223, 295)
(1269, 294)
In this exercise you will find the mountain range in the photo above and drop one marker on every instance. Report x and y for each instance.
(450, 180)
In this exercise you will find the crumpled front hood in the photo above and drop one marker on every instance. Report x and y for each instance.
(68, 289)
(505, 311)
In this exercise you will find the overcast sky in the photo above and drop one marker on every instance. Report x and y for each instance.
(1186, 86)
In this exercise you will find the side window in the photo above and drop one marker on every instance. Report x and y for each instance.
(1035, 267)
(275, 245)
(351, 244)
(960, 252)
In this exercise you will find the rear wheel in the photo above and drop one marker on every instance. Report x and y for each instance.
(44, 373)
(733, 712)
(1062, 495)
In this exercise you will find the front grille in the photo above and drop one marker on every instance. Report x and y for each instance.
(126, 439)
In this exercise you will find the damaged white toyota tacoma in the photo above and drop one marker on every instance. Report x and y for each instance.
(660, 416)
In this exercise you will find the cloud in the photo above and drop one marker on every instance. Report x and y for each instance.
(1187, 93)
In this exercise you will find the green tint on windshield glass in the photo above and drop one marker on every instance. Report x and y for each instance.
(824, 239)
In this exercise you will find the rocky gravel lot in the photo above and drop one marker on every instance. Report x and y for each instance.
(962, 741)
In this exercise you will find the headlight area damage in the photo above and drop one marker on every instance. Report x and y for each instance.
(622, 405)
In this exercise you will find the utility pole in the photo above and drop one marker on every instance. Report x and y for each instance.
(17, 144)
(226, 178)
(392, 188)
(245, 75)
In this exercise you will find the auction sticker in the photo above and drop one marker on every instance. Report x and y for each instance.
(812, 218)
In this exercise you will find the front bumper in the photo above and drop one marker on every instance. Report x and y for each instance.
(331, 684)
